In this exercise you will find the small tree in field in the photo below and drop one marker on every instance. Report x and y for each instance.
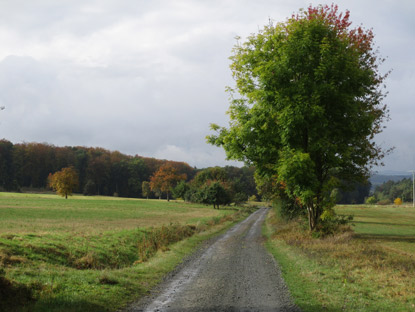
(165, 179)
(371, 200)
(64, 181)
(309, 106)
(216, 195)
(181, 189)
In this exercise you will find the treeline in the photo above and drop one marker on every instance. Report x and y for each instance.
(219, 186)
(100, 171)
(351, 194)
(389, 191)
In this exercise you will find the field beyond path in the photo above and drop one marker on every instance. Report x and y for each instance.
(235, 273)
(96, 253)
(368, 269)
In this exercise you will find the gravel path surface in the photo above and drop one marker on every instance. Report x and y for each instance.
(232, 273)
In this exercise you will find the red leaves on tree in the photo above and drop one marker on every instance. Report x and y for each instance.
(165, 178)
(360, 38)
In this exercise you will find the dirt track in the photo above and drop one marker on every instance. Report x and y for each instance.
(233, 273)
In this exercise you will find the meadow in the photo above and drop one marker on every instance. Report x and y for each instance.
(368, 268)
(94, 253)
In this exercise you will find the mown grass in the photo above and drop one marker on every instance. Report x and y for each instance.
(368, 269)
(392, 226)
(93, 254)
(32, 213)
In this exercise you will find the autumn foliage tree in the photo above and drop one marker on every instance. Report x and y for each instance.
(309, 105)
(164, 179)
(64, 181)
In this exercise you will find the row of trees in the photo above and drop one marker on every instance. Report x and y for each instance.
(387, 192)
(219, 186)
(98, 171)
(216, 186)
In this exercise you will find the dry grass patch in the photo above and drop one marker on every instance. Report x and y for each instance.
(8, 259)
(370, 271)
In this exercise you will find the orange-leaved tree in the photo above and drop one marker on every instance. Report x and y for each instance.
(64, 181)
(397, 201)
(164, 179)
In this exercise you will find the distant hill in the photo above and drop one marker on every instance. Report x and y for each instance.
(382, 177)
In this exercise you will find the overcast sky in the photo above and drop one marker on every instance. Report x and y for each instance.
(148, 77)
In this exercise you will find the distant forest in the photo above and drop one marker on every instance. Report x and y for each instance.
(26, 166)
(387, 192)
(353, 194)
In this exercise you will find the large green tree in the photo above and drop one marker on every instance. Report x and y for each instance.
(306, 105)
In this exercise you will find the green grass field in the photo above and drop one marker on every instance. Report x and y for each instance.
(371, 269)
(86, 253)
(32, 213)
(392, 226)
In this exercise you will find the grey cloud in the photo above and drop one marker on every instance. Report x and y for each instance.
(43, 18)
(147, 77)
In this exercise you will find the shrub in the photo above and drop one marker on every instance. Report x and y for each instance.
(160, 238)
(240, 198)
(155, 239)
(179, 192)
(288, 209)
(371, 200)
(397, 201)
(331, 223)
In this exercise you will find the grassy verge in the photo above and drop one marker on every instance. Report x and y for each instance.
(370, 269)
(51, 262)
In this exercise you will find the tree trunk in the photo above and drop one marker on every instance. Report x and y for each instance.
(168, 198)
(314, 213)
(311, 218)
